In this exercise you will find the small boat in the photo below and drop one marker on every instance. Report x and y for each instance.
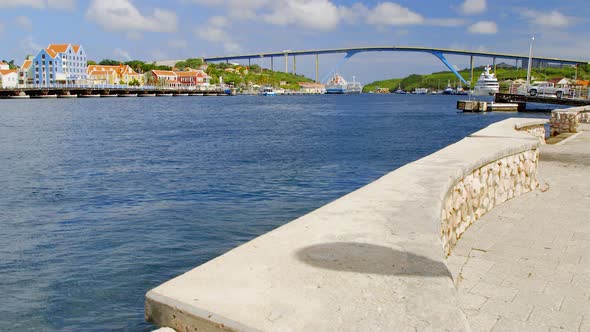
(448, 90)
(460, 90)
(487, 84)
(268, 91)
(399, 90)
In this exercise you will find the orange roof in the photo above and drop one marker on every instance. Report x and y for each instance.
(7, 71)
(58, 48)
(61, 48)
(120, 69)
(164, 72)
(3, 63)
(26, 64)
(186, 73)
(51, 52)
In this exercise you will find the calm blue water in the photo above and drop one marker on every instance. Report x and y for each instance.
(102, 200)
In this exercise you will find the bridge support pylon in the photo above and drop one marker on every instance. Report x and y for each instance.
(444, 60)
(338, 65)
(317, 67)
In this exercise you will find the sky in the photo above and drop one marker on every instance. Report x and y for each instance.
(151, 30)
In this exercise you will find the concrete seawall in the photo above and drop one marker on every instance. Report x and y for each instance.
(371, 260)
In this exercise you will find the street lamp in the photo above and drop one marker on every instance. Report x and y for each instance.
(528, 73)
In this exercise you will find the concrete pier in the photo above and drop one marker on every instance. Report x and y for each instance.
(372, 260)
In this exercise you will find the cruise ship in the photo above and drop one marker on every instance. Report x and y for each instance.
(487, 84)
(338, 85)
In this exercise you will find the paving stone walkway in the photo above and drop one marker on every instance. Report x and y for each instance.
(525, 266)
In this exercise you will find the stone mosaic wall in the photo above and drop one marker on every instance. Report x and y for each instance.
(537, 130)
(564, 122)
(481, 191)
(584, 117)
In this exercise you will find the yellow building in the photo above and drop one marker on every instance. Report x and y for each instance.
(121, 74)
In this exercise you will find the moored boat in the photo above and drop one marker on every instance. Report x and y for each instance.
(399, 90)
(336, 85)
(268, 91)
(354, 87)
(487, 84)
(448, 90)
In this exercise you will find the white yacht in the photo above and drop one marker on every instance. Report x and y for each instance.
(487, 84)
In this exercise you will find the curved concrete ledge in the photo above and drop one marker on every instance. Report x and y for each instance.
(371, 260)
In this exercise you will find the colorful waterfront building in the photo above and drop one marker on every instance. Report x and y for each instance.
(178, 78)
(121, 74)
(25, 73)
(8, 78)
(59, 64)
(192, 77)
(4, 65)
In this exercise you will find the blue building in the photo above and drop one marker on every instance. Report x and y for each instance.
(59, 64)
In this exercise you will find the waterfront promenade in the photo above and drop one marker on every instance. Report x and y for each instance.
(371, 261)
(525, 266)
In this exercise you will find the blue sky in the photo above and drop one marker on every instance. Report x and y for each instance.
(177, 29)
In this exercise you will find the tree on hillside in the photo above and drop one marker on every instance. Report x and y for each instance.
(90, 63)
(109, 62)
(191, 63)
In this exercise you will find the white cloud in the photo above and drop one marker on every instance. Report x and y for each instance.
(321, 15)
(484, 28)
(310, 14)
(215, 31)
(24, 22)
(122, 15)
(470, 7)
(548, 19)
(354, 13)
(122, 53)
(389, 13)
(39, 4)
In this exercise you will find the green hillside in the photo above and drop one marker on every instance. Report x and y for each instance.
(437, 81)
(242, 76)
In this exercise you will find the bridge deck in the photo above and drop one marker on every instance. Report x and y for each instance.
(393, 49)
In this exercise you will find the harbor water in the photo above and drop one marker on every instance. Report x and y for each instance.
(104, 199)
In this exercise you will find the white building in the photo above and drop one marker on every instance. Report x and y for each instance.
(4, 65)
(8, 78)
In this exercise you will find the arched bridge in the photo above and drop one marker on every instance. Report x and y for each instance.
(349, 52)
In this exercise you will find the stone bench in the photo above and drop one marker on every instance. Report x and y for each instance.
(371, 260)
